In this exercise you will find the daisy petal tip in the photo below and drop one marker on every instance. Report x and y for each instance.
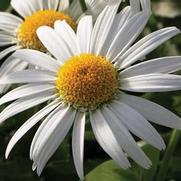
(7, 154)
(33, 167)
(82, 178)
(58, 22)
(178, 30)
(39, 171)
(149, 164)
(31, 155)
(160, 145)
(42, 29)
(127, 166)
(148, 167)
(8, 150)
(163, 147)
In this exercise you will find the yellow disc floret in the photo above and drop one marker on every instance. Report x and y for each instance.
(87, 81)
(26, 33)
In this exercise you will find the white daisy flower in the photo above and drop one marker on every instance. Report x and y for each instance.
(18, 33)
(91, 76)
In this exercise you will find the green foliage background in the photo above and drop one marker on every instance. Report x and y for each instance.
(98, 165)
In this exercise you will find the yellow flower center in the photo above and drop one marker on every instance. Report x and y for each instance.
(87, 81)
(26, 33)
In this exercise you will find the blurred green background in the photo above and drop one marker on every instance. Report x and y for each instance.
(98, 165)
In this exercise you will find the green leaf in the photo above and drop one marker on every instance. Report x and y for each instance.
(109, 171)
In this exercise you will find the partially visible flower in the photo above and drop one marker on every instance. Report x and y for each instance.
(18, 33)
(92, 76)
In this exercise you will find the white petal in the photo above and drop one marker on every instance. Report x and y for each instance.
(78, 143)
(146, 6)
(10, 65)
(53, 4)
(26, 90)
(64, 5)
(122, 17)
(10, 19)
(152, 111)
(75, 9)
(145, 46)
(54, 43)
(84, 32)
(42, 4)
(106, 139)
(38, 5)
(6, 39)
(8, 51)
(41, 127)
(152, 83)
(102, 27)
(23, 104)
(38, 59)
(5, 33)
(7, 28)
(158, 65)
(135, 5)
(52, 136)
(26, 8)
(119, 23)
(125, 139)
(127, 35)
(137, 124)
(29, 124)
(21, 7)
(67, 35)
(95, 7)
(28, 76)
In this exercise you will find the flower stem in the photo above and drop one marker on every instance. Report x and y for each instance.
(168, 154)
